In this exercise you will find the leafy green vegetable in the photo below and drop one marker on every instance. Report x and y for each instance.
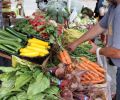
(22, 80)
(25, 83)
(52, 90)
(7, 69)
(22, 96)
(4, 92)
(39, 96)
(41, 83)
(83, 50)
(13, 98)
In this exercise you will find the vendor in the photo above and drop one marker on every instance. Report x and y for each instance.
(110, 22)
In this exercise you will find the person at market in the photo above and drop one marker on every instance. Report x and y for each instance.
(98, 6)
(110, 22)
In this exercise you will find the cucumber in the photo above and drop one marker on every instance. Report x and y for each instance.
(17, 34)
(6, 34)
(9, 39)
(3, 48)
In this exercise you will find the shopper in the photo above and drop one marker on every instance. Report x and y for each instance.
(110, 22)
(99, 5)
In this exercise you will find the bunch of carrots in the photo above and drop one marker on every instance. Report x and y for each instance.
(65, 58)
(94, 74)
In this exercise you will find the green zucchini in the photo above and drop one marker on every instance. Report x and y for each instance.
(11, 48)
(15, 44)
(17, 34)
(3, 48)
(9, 39)
(7, 34)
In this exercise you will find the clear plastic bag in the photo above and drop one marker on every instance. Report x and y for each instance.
(102, 61)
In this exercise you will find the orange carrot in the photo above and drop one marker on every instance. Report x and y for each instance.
(67, 56)
(96, 66)
(86, 76)
(92, 68)
(99, 81)
(89, 74)
(62, 57)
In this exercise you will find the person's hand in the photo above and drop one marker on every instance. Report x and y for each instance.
(94, 48)
(72, 46)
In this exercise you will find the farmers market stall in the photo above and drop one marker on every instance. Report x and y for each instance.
(42, 67)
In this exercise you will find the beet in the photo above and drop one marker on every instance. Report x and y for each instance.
(66, 94)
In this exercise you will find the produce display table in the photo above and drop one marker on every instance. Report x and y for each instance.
(5, 56)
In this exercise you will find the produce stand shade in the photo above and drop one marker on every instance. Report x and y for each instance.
(37, 60)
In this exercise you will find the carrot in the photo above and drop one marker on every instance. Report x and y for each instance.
(58, 56)
(97, 67)
(92, 68)
(67, 56)
(86, 76)
(89, 74)
(99, 81)
(62, 57)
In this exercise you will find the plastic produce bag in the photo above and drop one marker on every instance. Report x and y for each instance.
(73, 15)
(102, 61)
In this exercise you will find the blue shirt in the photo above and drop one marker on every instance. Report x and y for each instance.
(112, 18)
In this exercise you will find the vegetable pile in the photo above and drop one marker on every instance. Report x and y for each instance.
(79, 78)
(56, 10)
(94, 74)
(71, 34)
(25, 27)
(11, 41)
(83, 50)
(35, 48)
(25, 82)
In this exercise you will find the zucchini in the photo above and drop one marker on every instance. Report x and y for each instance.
(9, 39)
(15, 44)
(6, 34)
(11, 48)
(17, 34)
(3, 48)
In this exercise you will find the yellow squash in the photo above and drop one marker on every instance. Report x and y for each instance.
(30, 54)
(40, 42)
(44, 51)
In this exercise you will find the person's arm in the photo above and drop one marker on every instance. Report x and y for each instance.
(110, 52)
(96, 30)
(114, 50)
(106, 51)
